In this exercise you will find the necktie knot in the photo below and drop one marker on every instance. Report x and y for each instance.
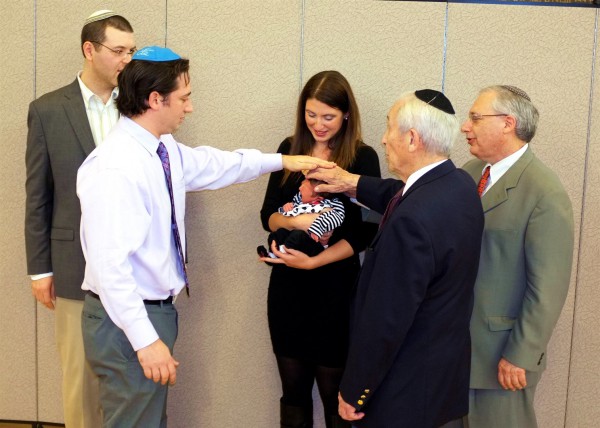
(391, 206)
(483, 181)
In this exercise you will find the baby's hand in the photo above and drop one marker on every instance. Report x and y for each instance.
(314, 237)
(324, 239)
(288, 207)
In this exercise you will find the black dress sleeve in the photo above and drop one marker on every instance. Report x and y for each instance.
(278, 194)
(355, 231)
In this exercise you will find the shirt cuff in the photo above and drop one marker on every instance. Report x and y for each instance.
(141, 334)
(271, 162)
(41, 275)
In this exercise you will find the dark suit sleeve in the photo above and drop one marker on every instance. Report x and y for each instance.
(397, 272)
(355, 230)
(548, 257)
(39, 188)
(375, 192)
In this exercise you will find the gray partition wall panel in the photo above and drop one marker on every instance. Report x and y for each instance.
(547, 52)
(584, 380)
(383, 48)
(245, 61)
(17, 317)
(58, 60)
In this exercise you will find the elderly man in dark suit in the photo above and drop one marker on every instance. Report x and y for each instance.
(409, 357)
(526, 258)
(64, 127)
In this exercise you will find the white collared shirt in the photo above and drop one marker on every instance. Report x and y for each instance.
(102, 117)
(126, 232)
(420, 173)
(498, 169)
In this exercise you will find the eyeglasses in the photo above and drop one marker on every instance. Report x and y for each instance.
(476, 117)
(119, 52)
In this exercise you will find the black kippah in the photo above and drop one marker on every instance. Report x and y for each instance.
(435, 99)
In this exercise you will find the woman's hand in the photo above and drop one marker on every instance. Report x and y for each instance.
(292, 258)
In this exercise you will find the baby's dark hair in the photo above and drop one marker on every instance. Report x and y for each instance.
(314, 182)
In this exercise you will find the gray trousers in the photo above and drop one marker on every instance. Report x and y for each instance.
(456, 423)
(128, 398)
(497, 408)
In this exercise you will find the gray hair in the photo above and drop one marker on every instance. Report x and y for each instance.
(438, 130)
(515, 102)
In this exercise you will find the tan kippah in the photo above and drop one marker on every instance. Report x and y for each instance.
(99, 15)
(517, 91)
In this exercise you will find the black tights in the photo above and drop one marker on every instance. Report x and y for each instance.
(298, 377)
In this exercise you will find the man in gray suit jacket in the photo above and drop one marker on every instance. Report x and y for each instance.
(525, 263)
(64, 126)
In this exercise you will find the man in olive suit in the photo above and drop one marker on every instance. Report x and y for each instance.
(525, 263)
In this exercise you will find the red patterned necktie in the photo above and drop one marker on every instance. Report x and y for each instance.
(483, 181)
(390, 207)
(163, 154)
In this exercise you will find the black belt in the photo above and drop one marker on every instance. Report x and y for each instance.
(167, 301)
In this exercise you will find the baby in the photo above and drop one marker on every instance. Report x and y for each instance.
(316, 239)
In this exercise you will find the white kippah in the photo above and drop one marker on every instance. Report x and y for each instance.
(99, 15)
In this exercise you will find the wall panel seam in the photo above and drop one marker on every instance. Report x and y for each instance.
(302, 23)
(36, 307)
(583, 200)
(445, 49)
(166, 20)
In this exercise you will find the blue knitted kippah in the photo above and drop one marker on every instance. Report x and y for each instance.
(156, 54)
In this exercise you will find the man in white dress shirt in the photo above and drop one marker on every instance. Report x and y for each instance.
(133, 233)
(64, 126)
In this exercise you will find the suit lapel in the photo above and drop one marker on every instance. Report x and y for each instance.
(498, 193)
(75, 110)
(437, 172)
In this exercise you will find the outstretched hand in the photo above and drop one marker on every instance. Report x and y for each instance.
(338, 180)
(304, 163)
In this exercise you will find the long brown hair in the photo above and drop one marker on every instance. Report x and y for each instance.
(331, 88)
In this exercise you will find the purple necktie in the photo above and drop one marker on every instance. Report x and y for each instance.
(390, 207)
(163, 154)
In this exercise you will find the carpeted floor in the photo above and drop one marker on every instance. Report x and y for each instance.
(27, 425)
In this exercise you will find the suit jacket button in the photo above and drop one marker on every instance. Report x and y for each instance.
(363, 396)
(360, 402)
(367, 391)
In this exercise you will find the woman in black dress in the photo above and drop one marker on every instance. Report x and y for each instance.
(309, 297)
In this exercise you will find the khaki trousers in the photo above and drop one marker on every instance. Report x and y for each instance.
(80, 391)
